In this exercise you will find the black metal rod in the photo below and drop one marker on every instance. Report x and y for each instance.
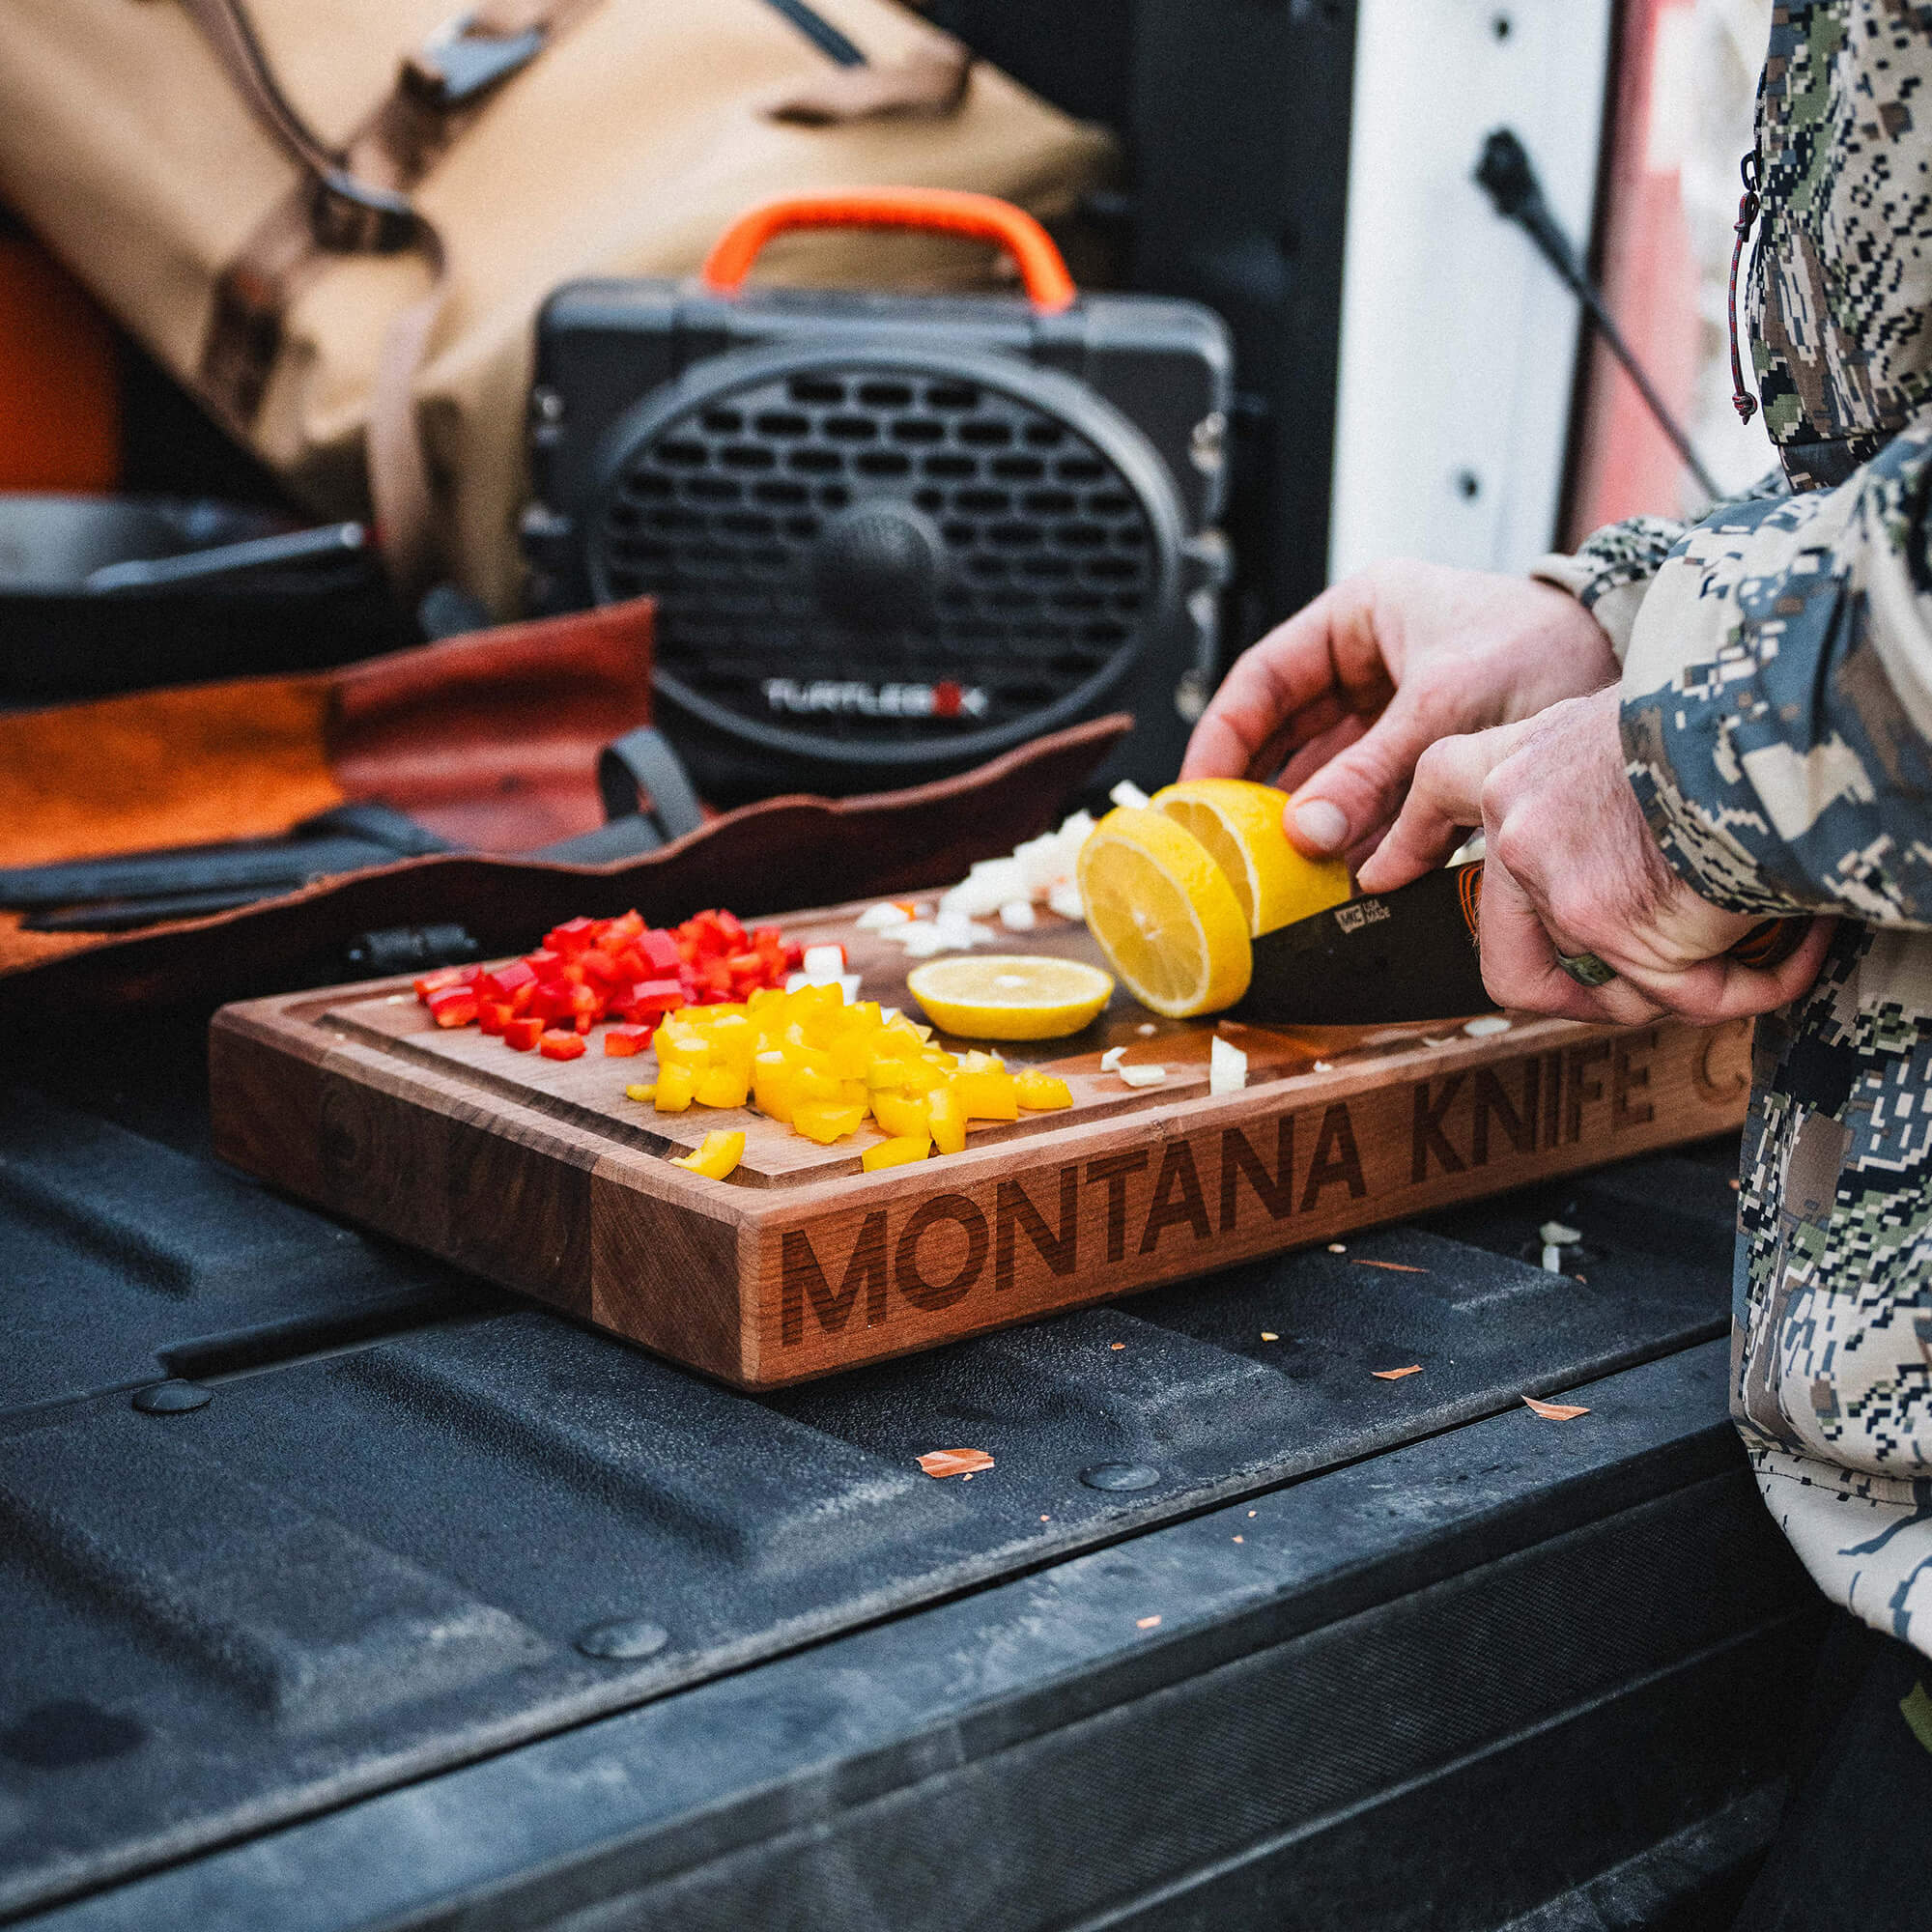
(202, 566)
(1506, 174)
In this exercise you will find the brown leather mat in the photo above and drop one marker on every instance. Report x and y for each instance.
(772, 857)
(491, 741)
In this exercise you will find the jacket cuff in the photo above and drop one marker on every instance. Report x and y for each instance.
(1614, 606)
(1612, 570)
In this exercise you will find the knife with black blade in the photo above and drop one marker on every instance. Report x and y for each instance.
(1409, 954)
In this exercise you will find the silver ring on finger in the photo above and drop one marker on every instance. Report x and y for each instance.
(1586, 969)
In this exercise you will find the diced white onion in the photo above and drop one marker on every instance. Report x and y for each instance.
(1143, 1076)
(1112, 1057)
(1128, 793)
(1227, 1067)
(875, 918)
(1017, 915)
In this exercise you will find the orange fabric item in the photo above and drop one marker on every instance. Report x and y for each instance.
(977, 217)
(187, 767)
(60, 396)
(491, 740)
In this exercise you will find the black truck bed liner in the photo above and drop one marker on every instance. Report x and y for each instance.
(441, 1596)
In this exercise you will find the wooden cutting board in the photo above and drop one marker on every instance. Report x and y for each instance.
(542, 1176)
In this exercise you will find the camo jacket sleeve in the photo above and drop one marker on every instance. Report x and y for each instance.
(1777, 696)
(1611, 570)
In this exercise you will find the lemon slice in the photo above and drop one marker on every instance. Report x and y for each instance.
(1240, 825)
(1165, 914)
(1009, 996)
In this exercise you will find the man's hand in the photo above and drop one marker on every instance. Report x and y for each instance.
(1349, 693)
(1572, 866)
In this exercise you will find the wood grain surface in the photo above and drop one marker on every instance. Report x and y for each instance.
(541, 1175)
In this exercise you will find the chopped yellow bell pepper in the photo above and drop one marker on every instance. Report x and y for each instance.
(810, 1083)
(638, 1091)
(715, 1156)
(826, 1120)
(774, 1085)
(822, 1068)
(946, 1119)
(902, 1115)
(721, 1086)
(678, 1088)
(1041, 1093)
(986, 1095)
(676, 1047)
(898, 1151)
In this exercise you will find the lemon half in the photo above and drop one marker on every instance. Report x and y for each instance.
(1165, 914)
(1009, 996)
(1239, 823)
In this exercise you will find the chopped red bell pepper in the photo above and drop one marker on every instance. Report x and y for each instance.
(592, 970)
(562, 1046)
(503, 983)
(649, 997)
(443, 976)
(453, 1006)
(572, 936)
(658, 951)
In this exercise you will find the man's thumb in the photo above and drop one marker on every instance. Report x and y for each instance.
(1357, 793)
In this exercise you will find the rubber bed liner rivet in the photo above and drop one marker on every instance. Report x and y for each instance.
(1121, 1476)
(172, 1398)
(623, 1639)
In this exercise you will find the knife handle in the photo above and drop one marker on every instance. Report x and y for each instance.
(1768, 944)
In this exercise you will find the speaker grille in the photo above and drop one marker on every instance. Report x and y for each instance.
(867, 551)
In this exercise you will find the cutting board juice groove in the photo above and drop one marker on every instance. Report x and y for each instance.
(543, 1178)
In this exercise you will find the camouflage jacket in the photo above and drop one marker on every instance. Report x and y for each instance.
(1778, 724)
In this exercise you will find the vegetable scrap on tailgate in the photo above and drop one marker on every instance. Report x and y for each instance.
(1396, 1375)
(1555, 1411)
(943, 1462)
(1393, 1268)
(589, 970)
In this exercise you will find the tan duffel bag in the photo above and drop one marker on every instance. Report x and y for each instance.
(334, 219)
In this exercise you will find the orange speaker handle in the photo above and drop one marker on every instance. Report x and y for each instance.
(981, 218)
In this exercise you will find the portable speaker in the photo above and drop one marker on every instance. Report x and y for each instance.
(890, 535)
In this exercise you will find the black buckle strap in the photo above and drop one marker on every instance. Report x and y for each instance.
(639, 772)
